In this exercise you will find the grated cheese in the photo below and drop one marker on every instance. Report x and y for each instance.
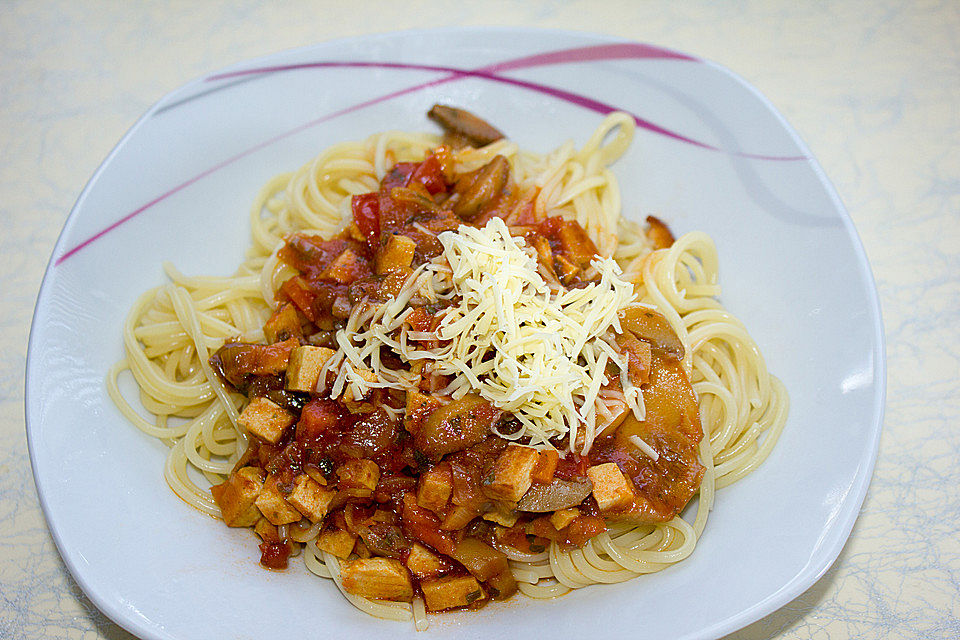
(532, 348)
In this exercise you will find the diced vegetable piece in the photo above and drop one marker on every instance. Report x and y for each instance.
(372, 436)
(455, 426)
(503, 585)
(423, 563)
(273, 555)
(547, 460)
(317, 417)
(283, 324)
(419, 406)
(563, 517)
(576, 243)
(310, 498)
(450, 592)
(502, 517)
(457, 517)
(487, 187)
(295, 289)
(464, 124)
(639, 357)
(385, 540)
(347, 268)
(565, 269)
(303, 370)
(422, 525)
(396, 254)
(434, 488)
(480, 559)
(559, 494)
(377, 578)
(237, 360)
(274, 506)
(358, 477)
(511, 476)
(366, 214)
(267, 531)
(659, 233)
(652, 327)
(265, 419)
(611, 488)
(337, 542)
(236, 497)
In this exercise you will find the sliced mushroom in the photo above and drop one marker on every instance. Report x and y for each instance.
(486, 187)
(659, 233)
(460, 124)
(652, 327)
(559, 494)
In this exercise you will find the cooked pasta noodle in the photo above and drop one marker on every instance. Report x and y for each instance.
(172, 330)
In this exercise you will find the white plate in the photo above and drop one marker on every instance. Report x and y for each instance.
(714, 156)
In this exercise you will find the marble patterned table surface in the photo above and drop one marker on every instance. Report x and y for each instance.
(873, 88)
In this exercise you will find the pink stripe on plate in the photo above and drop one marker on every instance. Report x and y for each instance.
(573, 55)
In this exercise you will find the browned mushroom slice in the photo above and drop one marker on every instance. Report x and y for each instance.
(463, 125)
(486, 187)
(652, 327)
(659, 233)
(559, 494)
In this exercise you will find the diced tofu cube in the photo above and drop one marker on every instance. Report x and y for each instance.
(547, 460)
(356, 403)
(303, 370)
(265, 419)
(512, 473)
(562, 518)
(236, 497)
(396, 254)
(358, 478)
(347, 268)
(338, 542)
(423, 563)
(611, 488)
(274, 506)
(266, 530)
(434, 488)
(310, 498)
(283, 324)
(449, 592)
(377, 578)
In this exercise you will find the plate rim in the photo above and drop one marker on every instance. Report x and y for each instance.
(797, 585)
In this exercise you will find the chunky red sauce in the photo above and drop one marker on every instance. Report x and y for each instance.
(425, 503)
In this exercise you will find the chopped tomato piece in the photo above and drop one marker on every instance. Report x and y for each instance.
(296, 291)
(366, 213)
(420, 524)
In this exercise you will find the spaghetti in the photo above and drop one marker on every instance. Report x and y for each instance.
(173, 330)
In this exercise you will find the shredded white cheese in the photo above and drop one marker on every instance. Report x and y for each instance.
(535, 351)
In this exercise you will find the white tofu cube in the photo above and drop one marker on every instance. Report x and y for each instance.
(512, 473)
(311, 499)
(377, 578)
(274, 506)
(236, 497)
(303, 370)
(611, 488)
(265, 419)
